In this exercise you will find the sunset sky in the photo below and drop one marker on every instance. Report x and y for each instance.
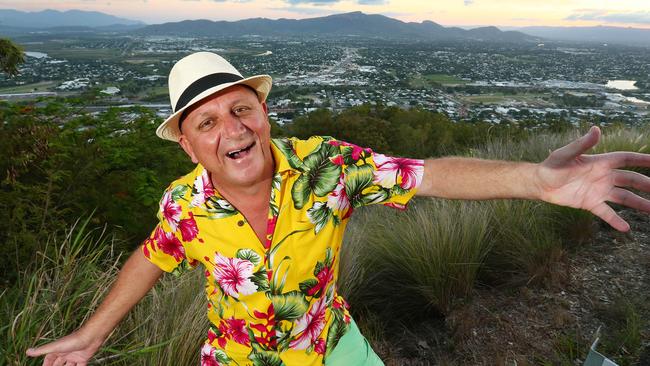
(628, 13)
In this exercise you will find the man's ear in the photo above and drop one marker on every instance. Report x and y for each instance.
(266, 109)
(187, 147)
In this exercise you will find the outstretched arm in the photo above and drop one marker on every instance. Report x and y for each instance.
(134, 280)
(567, 177)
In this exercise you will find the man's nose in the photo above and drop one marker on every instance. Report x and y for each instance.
(233, 126)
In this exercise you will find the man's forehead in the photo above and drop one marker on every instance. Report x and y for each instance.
(233, 94)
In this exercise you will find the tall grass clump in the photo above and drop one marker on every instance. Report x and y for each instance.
(56, 292)
(433, 254)
(426, 257)
(63, 285)
(525, 246)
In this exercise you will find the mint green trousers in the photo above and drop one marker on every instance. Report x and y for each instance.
(353, 350)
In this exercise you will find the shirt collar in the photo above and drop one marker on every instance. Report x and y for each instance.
(281, 163)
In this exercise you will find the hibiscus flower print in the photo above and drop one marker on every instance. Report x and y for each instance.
(310, 326)
(389, 169)
(233, 275)
(324, 277)
(170, 210)
(169, 244)
(208, 356)
(338, 199)
(188, 227)
(237, 330)
(203, 188)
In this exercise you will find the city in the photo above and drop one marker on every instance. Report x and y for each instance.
(467, 81)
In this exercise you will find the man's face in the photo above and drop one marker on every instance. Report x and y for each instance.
(229, 134)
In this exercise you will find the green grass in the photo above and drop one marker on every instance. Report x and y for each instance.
(66, 282)
(623, 335)
(427, 256)
(500, 98)
(422, 81)
(85, 54)
(27, 88)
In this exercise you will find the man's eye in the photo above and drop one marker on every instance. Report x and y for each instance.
(240, 110)
(206, 124)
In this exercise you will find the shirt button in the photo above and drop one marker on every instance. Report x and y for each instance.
(240, 223)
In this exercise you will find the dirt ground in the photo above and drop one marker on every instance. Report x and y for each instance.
(603, 284)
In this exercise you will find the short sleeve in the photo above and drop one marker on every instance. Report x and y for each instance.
(372, 178)
(165, 247)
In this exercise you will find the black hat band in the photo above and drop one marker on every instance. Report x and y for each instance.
(203, 84)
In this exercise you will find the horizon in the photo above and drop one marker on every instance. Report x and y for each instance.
(460, 13)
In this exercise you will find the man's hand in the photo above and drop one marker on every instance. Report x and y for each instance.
(74, 349)
(570, 178)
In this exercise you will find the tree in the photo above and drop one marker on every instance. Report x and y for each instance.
(11, 55)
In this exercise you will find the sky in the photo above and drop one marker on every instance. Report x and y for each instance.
(467, 13)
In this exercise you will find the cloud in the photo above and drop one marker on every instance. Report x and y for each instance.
(328, 2)
(638, 17)
(468, 2)
(315, 2)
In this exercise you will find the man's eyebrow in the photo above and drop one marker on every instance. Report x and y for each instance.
(241, 100)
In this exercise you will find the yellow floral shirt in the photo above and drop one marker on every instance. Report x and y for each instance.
(276, 303)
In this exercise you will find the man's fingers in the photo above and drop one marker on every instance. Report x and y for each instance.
(60, 361)
(629, 199)
(577, 147)
(634, 180)
(622, 159)
(610, 216)
(44, 349)
(49, 359)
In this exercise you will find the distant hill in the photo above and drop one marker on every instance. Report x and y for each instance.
(355, 24)
(72, 18)
(600, 34)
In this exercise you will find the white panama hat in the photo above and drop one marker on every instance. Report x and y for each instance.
(198, 76)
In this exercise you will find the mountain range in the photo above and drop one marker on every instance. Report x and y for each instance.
(354, 24)
(54, 18)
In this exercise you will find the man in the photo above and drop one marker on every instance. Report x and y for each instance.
(266, 218)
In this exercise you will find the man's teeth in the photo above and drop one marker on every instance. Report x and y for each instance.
(235, 153)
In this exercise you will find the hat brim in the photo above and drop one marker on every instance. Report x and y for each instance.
(168, 130)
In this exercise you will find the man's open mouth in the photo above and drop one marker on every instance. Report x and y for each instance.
(236, 154)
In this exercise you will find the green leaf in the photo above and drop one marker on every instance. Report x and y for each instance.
(265, 358)
(289, 306)
(320, 175)
(300, 191)
(319, 267)
(323, 174)
(319, 215)
(336, 332)
(219, 208)
(261, 280)
(249, 255)
(358, 178)
(328, 257)
(398, 191)
(371, 198)
(286, 147)
(307, 285)
(179, 192)
(222, 357)
(182, 267)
